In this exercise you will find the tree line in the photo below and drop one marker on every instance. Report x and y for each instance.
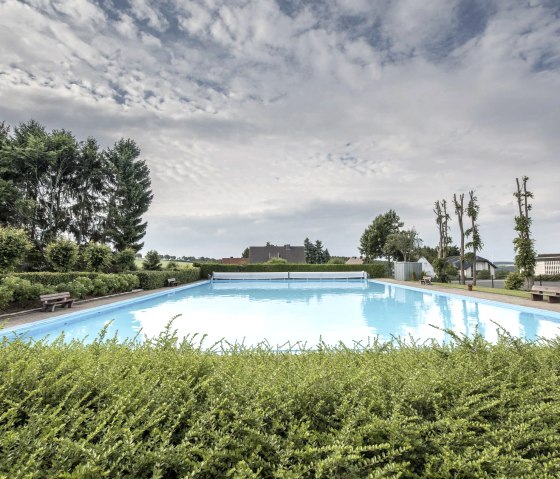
(53, 187)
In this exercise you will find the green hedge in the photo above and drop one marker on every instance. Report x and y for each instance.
(162, 410)
(375, 270)
(54, 279)
(158, 279)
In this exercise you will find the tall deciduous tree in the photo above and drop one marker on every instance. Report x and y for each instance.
(442, 220)
(475, 241)
(405, 242)
(460, 212)
(373, 239)
(130, 196)
(525, 254)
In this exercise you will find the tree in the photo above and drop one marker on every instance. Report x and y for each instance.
(14, 245)
(460, 211)
(124, 260)
(319, 253)
(326, 256)
(405, 242)
(97, 256)
(525, 254)
(476, 242)
(442, 220)
(62, 254)
(373, 239)
(309, 249)
(151, 261)
(245, 253)
(130, 196)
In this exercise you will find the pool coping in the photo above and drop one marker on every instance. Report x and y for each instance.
(25, 327)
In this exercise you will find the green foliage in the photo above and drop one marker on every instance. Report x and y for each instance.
(124, 260)
(52, 278)
(172, 266)
(524, 245)
(62, 255)
(374, 238)
(501, 273)
(158, 279)
(276, 261)
(337, 260)
(406, 243)
(97, 257)
(151, 261)
(130, 196)
(485, 274)
(168, 409)
(14, 245)
(245, 253)
(14, 290)
(374, 270)
(514, 281)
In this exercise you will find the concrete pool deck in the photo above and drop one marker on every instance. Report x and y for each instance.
(19, 319)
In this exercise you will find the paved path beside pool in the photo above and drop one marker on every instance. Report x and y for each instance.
(502, 298)
(17, 320)
(82, 306)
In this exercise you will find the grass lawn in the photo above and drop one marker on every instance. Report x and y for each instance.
(505, 292)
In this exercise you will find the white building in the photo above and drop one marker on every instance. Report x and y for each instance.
(547, 264)
(426, 266)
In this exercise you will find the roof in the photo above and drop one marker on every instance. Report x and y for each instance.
(292, 254)
(456, 261)
(355, 260)
(232, 260)
(544, 257)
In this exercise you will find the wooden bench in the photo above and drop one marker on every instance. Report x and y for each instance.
(56, 299)
(539, 292)
(172, 282)
(426, 280)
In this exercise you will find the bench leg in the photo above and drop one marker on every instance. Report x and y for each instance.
(554, 299)
(537, 297)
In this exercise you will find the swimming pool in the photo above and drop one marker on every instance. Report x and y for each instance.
(283, 313)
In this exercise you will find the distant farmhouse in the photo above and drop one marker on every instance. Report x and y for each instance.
(355, 260)
(482, 264)
(232, 260)
(261, 254)
(548, 264)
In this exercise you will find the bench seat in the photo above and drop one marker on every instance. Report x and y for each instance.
(51, 301)
(172, 282)
(552, 292)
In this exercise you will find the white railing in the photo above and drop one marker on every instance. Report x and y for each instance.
(220, 275)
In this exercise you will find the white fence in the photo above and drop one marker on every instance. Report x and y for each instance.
(218, 275)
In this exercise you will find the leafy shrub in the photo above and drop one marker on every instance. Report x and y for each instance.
(151, 261)
(374, 270)
(336, 261)
(124, 260)
(97, 256)
(172, 266)
(158, 279)
(485, 274)
(514, 281)
(501, 273)
(52, 278)
(20, 291)
(79, 288)
(163, 409)
(276, 261)
(14, 246)
(61, 255)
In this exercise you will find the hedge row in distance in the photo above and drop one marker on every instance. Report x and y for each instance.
(374, 270)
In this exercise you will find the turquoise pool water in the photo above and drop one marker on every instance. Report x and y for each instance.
(287, 312)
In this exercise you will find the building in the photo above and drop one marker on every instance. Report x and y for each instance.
(482, 264)
(232, 260)
(355, 260)
(547, 264)
(426, 266)
(261, 254)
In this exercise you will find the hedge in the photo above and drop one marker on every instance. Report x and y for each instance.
(375, 270)
(54, 279)
(158, 279)
(167, 410)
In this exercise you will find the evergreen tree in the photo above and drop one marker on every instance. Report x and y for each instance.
(245, 253)
(525, 254)
(309, 249)
(130, 196)
(151, 261)
(319, 252)
(327, 256)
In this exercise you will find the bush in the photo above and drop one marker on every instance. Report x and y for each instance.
(276, 261)
(124, 260)
(14, 246)
(97, 257)
(151, 261)
(172, 266)
(336, 261)
(483, 274)
(53, 279)
(514, 281)
(61, 255)
(374, 270)
(20, 292)
(158, 279)
(501, 273)
(163, 409)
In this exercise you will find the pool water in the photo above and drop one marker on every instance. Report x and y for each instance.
(286, 313)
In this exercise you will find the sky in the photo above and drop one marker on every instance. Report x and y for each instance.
(277, 120)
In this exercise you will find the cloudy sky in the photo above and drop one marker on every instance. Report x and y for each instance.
(276, 120)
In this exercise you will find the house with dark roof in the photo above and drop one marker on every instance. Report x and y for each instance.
(232, 260)
(482, 264)
(548, 264)
(261, 254)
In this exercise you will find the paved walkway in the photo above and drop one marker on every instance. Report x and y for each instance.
(30, 317)
(502, 298)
